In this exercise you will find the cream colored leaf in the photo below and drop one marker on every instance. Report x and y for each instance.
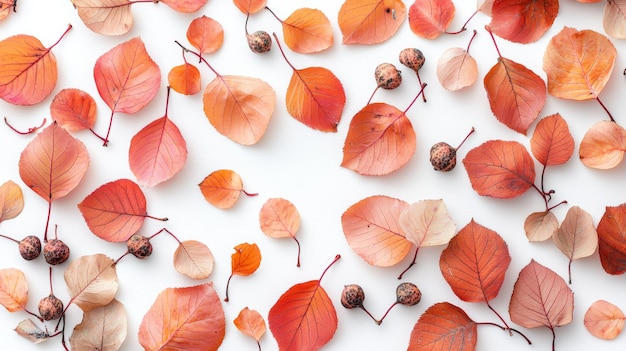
(456, 69)
(539, 226)
(426, 223)
(91, 281)
(576, 237)
(194, 259)
(614, 19)
(30, 331)
(104, 329)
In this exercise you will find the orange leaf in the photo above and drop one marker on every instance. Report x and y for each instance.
(604, 320)
(578, 64)
(315, 97)
(53, 163)
(157, 152)
(205, 34)
(103, 328)
(221, 188)
(541, 298)
(194, 259)
(91, 281)
(500, 169)
(603, 145)
(246, 259)
(576, 237)
(614, 19)
(522, 21)
(185, 79)
(307, 31)
(251, 323)
(304, 317)
(611, 239)
(185, 6)
(446, 327)
(11, 200)
(372, 229)
(239, 108)
(516, 94)
(250, 6)
(456, 69)
(370, 21)
(6, 7)
(126, 77)
(279, 218)
(189, 318)
(13, 289)
(475, 263)
(552, 143)
(28, 70)
(539, 226)
(431, 18)
(427, 223)
(380, 140)
(73, 109)
(108, 17)
(114, 211)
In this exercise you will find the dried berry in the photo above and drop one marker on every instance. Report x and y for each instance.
(443, 156)
(259, 41)
(387, 76)
(56, 252)
(139, 245)
(352, 296)
(50, 308)
(30, 247)
(412, 58)
(408, 294)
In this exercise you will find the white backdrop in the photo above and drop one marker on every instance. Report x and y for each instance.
(302, 165)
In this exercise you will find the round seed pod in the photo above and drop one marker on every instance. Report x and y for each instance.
(352, 296)
(30, 247)
(56, 252)
(412, 58)
(408, 294)
(259, 41)
(50, 308)
(139, 245)
(387, 76)
(443, 157)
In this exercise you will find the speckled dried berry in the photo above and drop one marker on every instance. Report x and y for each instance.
(412, 58)
(50, 308)
(408, 294)
(352, 296)
(387, 76)
(259, 41)
(55, 251)
(30, 247)
(443, 157)
(139, 245)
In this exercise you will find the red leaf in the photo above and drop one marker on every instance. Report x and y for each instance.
(73, 109)
(431, 18)
(380, 140)
(370, 21)
(444, 327)
(552, 143)
(523, 21)
(516, 94)
(612, 239)
(500, 169)
(475, 263)
(115, 210)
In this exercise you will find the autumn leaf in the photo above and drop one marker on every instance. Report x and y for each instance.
(614, 19)
(516, 94)
(611, 239)
(370, 21)
(307, 31)
(127, 78)
(539, 226)
(107, 17)
(193, 259)
(205, 34)
(189, 318)
(157, 152)
(485, 6)
(523, 21)
(500, 169)
(427, 223)
(250, 6)
(13, 289)
(604, 320)
(11, 200)
(245, 261)
(73, 109)
(304, 317)
(31, 332)
(222, 188)
(456, 69)
(185, 79)
(552, 143)
(115, 210)
(576, 237)
(475, 262)
(380, 140)
(431, 18)
(541, 298)
(446, 327)
(91, 281)
(578, 64)
(279, 218)
(103, 328)
(603, 145)
(28, 70)
(251, 323)
(239, 108)
(185, 6)
(372, 229)
(6, 7)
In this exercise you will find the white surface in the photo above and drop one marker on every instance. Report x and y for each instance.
(302, 165)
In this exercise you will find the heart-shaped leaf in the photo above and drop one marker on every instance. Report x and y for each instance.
(91, 281)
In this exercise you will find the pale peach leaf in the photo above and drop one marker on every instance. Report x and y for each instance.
(91, 281)
(194, 259)
(427, 223)
(604, 320)
(540, 226)
(103, 328)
